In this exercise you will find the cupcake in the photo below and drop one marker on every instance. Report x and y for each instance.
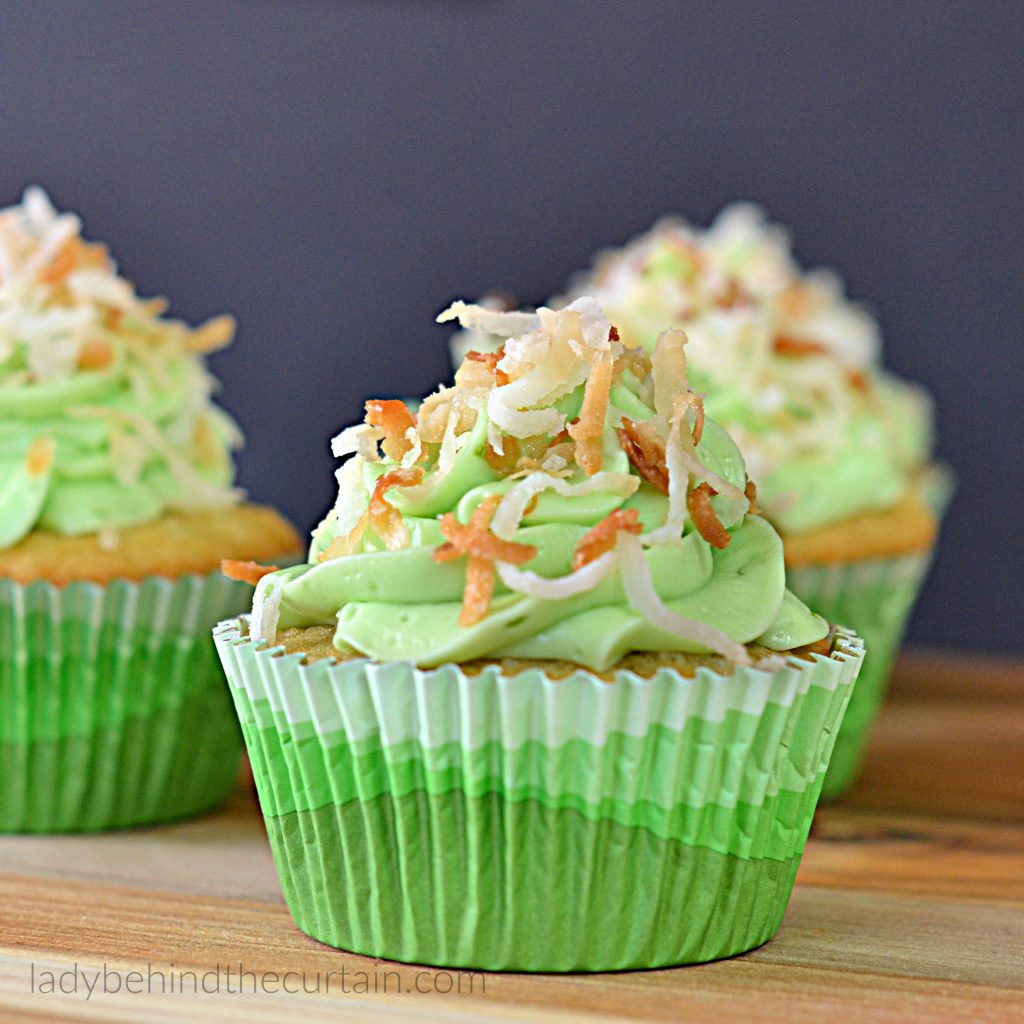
(841, 449)
(540, 700)
(116, 507)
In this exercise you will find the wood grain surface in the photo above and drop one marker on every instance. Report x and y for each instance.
(909, 906)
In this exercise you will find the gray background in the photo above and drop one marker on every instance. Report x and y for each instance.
(333, 173)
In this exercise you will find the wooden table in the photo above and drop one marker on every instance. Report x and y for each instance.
(909, 905)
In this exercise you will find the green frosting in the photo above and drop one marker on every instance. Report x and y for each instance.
(827, 434)
(860, 469)
(132, 430)
(401, 604)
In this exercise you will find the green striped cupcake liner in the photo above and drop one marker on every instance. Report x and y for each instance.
(875, 597)
(114, 708)
(520, 823)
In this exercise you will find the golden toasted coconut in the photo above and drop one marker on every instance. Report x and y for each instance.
(645, 450)
(588, 430)
(386, 520)
(907, 527)
(787, 345)
(174, 545)
(395, 419)
(483, 549)
(603, 537)
(490, 360)
(317, 642)
(750, 493)
(248, 571)
(709, 526)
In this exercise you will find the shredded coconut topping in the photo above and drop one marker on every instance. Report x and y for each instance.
(549, 363)
(65, 313)
(758, 325)
(266, 609)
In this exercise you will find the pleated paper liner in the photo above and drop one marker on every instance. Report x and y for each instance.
(517, 823)
(875, 597)
(114, 707)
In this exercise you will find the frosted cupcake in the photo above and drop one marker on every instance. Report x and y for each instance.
(840, 448)
(116, 507)
(540, 699)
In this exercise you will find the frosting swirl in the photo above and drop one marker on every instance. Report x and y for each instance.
(105, 412)
(566, 499)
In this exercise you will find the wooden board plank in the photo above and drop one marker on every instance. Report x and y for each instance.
(950, 743)
(906, 908)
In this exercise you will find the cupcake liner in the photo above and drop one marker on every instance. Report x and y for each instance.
(874, 596)
(521, 823)
(115, 711)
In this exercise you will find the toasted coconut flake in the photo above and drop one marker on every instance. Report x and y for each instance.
(795, 301)
(601, 539)
(215, 334)
(434, 414)
(40, 456)
(247, 572)
(446, 456)
(503, 462)
(558, 588)
(634, 359)
(668, 373)
(499, 323)
(522, 422)
(346, 543)
(416, 452)
(588, 430)
(677, 446)
(859, 381)
(644, 600)
(474, 375)
(709, 526)
(682, 457)
(385, 519)
(489, 361)
(95, 354)
(476, 540)
(556, 462)
(545, 365)
(394, 418)
(718, 484)
(646, 452)
(788, 345)
(74, 254)
(266, 609)
(355, 512)
(750, 493)
(732, 295)
(696, 403)
(350, 510)
(361, 439)
(476, 598)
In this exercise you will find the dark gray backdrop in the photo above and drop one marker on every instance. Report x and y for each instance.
(333, 173)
